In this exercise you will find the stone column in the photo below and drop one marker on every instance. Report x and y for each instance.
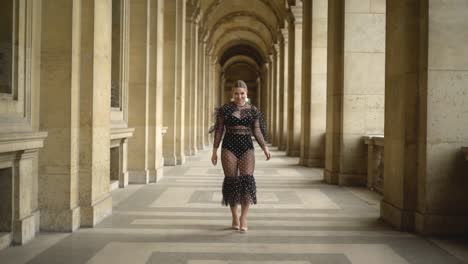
(265, 87)
(314, 83)
(96, 45)
(335, 66)
(280, 93)
(284, 87)
(258, 98)
(318, 73)
(306, 82)
(60, 79)
(155, 82)
(180, 79)
(356, 88)
(276, 101)
(295, 85)
(196, 76)
(425, 172)
(169, 79)
(207, 94)
(222, 87)
(190, 81)
(201, 95)
(212, 95)
(139, 91)
(274, 96)
(217, 100)
(270, 106)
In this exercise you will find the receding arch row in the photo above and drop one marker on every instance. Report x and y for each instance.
(247, 60)
(244, 48)
(232, 17)
(219, 3)
(238, 34)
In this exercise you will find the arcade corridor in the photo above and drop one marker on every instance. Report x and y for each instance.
(299, 219)
(106, 108)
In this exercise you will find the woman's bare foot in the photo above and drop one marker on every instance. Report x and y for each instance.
(235, 223)
(243, 224)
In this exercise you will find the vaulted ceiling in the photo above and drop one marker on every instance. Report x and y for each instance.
(242, 32)
(253, 23)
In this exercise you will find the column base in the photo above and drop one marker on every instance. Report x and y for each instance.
(430, 224)
(60, 220)
(396, 217)
(282, 148)
(138, 177)
(352, 179)
(194, 150)
(170, 160)
(123, 181)
(5, 240)
(293, 153)
(155, 175)
(159, 174)
(181, 159)
(24, 230)
(314, 163)
(152, 176)
(92, 215)
(37, 219)
(191, 151)
(330, 177)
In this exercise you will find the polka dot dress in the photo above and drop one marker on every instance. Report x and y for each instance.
(239, 124)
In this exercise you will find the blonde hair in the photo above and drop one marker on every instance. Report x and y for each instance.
(240, 84)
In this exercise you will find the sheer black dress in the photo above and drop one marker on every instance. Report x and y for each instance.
(239, 124)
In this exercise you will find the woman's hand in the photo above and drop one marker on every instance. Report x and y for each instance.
(214, 157)
(267, 153)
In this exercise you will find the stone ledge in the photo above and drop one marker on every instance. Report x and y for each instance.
(120, 133)
(374, 139)
(10, 142)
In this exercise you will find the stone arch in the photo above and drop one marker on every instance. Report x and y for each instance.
(268, 3)
(251, 67)
(258, 8)
(240, 58)
(236, 18)
(240, 33)
(248, 37)
(242, 49)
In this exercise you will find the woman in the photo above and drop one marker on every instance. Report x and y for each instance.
(240, 120)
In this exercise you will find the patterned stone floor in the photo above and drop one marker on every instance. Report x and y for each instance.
(298, 220)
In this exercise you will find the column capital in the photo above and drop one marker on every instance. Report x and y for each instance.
(277, 47)
(271, 58)
(197, 16)
(285, 32)
(296, 12)
(214, 59)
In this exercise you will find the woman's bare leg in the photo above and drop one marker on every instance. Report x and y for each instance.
(235, 218)
(243, 217)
